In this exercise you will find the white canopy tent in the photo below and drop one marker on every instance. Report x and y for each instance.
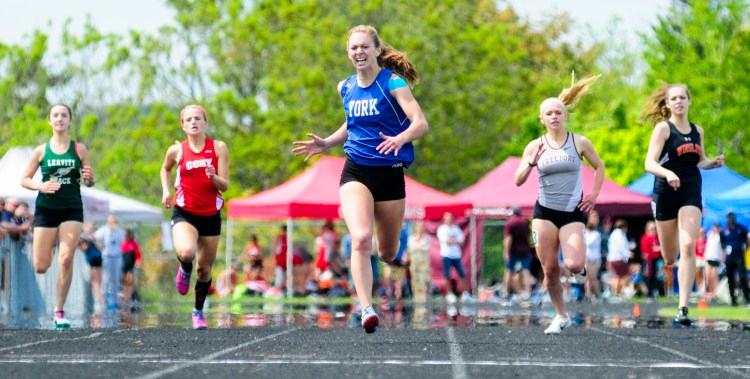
(97, 203)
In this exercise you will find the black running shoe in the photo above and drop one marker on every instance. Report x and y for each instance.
(682, 317)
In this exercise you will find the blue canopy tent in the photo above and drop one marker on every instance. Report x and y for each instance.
(715, 181)
(736, 200)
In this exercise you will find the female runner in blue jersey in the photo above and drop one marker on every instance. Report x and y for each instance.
(382, 120)
(674, 154)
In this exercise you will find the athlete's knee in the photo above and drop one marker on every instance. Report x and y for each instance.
(687, 248)
(362, 243)
(551, 270)
(41, 267)
(203, 272)
(574, 267)
(388, 257)
(185, 254)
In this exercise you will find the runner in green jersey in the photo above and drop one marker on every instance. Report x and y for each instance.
(59, 210)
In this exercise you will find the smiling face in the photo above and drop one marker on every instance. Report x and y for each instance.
(362, 50)
(553, 114)
(59, 118)
(678, 100)
(194, 121)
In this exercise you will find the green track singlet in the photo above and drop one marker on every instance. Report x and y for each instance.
(65, 169)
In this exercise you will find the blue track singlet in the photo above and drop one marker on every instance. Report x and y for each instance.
(369, 111)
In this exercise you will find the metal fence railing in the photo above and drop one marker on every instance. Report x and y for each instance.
(23, 291)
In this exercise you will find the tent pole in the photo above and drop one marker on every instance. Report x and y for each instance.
(228, 252)
(289, 261)
(473, 239)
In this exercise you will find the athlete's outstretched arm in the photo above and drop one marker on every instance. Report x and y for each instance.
(166, 174)
(318, 145)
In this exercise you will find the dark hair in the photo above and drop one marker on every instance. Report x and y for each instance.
(620, 223)
(129, 233)
(70, 112)
(389, 57)
(656, 109)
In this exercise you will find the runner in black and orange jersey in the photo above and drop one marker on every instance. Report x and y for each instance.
(675, 153)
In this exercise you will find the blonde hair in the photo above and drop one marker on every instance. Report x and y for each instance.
(569, 96)
(656, 109)
(389, 57)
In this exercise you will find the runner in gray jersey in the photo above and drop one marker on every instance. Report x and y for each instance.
(558, 215)
(560, 171)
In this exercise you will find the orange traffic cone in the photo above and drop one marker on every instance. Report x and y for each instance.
(636, 311)
(702, 304)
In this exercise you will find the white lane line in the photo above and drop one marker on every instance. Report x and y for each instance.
(93, 335)
(457, 361)
(678, 353)
(48, 359)
(211, 357)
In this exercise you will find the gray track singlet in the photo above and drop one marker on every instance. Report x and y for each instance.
(560, 185)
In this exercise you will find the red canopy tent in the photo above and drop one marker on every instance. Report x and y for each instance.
(496, 192)
(315, 194)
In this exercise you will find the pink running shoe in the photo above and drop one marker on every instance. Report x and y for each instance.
(182, 282)
(199, 321)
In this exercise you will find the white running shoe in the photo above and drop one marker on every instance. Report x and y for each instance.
(466, 297)
(558, 323)
(579, 277)
(450, 297)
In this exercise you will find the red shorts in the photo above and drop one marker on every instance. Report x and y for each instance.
(281, 260)
(620, 268)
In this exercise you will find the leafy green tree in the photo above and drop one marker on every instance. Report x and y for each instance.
(706, 45)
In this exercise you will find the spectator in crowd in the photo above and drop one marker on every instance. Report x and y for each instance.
(618, 256)
(327, 249)
(592, 236)
(2, 210)
(395, 274)
(111, 237)
(419, 265)
(253, 254)
(131, 260)
(227, 280)
(15, 219)
(451, 239)
(714, 259)
(92, 250)
(300, 260)
(735, 242)
(700, 262)
(517, 252)
(651, 252)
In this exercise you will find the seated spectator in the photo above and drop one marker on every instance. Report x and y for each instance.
(253, 254)
(227, 281)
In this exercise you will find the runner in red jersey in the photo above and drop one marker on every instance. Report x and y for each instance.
(202, 174)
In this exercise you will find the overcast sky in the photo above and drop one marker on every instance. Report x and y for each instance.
(21, 17)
